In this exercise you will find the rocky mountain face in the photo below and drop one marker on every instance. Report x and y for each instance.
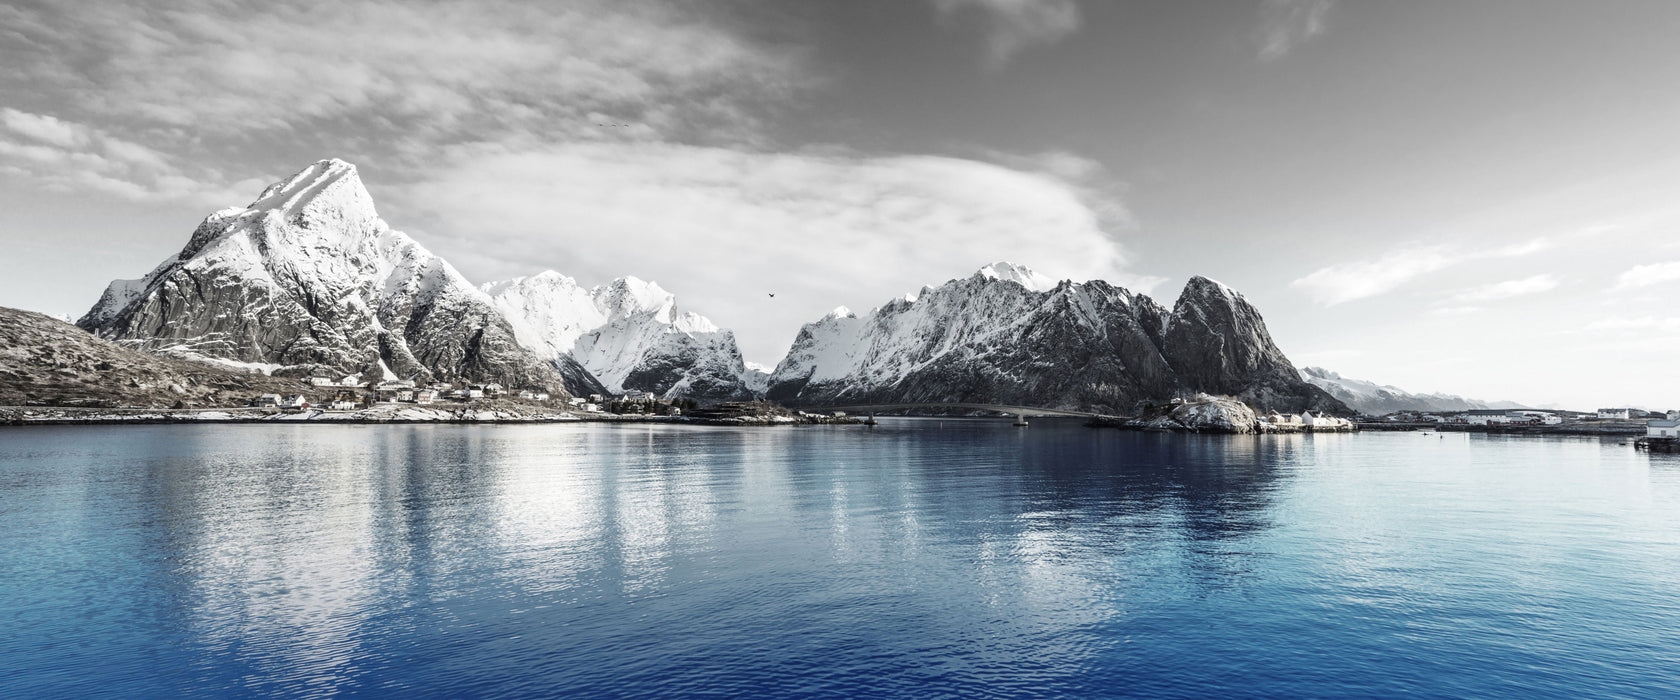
(1377, 399)
(629, 334)
(47, 362)
(1007, 335)
(309, 277)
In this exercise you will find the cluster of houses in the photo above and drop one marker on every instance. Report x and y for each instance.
(1305, 422)
(351, 397)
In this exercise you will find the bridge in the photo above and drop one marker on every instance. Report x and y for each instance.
(1018, 411)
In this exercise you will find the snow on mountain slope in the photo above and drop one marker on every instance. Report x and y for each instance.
(309, 277)
(1005, 335)
(1377, 399)
(629, 334)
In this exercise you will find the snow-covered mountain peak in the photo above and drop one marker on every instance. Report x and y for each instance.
(1019, 274)
(628, 334)
(630, 296)
(548, 280)
(323, 193)
(1202, 287)
(839, 312)
(306, 277)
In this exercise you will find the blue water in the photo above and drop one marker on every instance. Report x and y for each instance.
(923, 558)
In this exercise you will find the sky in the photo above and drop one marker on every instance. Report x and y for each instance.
(1466, 197)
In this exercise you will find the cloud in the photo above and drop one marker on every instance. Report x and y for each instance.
(435, 71)
(1351, 281)
(723, 227)
(1507, 289)
(64, 156)
(1014, 25)
(1339, 284)
(1286, 24)
(1648, 275)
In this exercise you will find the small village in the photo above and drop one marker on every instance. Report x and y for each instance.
(354, 393)
(1656, 430)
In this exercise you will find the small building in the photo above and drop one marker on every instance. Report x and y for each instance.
(541, 396)
(577, 400)
(425, 396)
(493, 389)
(350, 380)
(322, 381)
(595, 398)
(1662, 429)
(673, 411)
(1487, 417)
(592, 407)
(342, 405)
(1614, 413)
(295, 402)
(527, 394)
(266, 401)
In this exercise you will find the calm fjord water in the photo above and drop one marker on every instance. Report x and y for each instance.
(923, 558)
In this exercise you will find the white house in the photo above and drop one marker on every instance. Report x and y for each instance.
(425, 396)
(1490, 417)
(1281, 419)
(1662, 428)
(1613, 413)
(266, 400)
(322, 381)
(294, 401)
(342, 405)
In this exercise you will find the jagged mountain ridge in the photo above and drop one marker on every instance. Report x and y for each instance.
(309, 277)
(629, 334)
(1007, 335)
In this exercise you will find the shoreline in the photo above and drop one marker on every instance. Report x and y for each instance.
(382, 415)
(1605, 430)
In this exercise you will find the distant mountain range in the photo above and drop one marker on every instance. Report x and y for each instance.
(1377, 399)
(308, 278)
(1007, 335)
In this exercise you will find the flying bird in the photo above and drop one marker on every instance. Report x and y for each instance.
(772, 295)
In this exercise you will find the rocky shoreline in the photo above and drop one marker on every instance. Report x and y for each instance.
(43, 415)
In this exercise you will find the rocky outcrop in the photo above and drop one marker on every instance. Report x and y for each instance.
(1199, 414)
(309, 277)
(47, 362)
(1009, 336)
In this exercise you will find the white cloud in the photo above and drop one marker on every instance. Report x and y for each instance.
(1286, 24)
(1351, 281)
(722, 228)
(444, 70)
(1648, 275)
(64, 156)
(1338, 284)
(1013, 25)
(1508, 289)
(43, 128)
